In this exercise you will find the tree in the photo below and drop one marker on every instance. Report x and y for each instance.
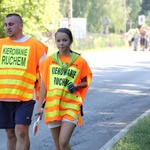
(145, 7)
(133, 7)
(42, 15)
(90, 9)
(64, 8)
(96, 11)
(38, 15)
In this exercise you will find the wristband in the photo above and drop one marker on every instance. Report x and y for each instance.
(39, 113)
(76, 86)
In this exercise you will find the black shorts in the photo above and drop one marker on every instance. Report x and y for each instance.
(13, 113)
(142, 41)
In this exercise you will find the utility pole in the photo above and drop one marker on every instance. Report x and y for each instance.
(130, 23)
(69, 14)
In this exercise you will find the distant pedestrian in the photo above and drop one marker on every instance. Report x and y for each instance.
(143, 40)
(136, 39)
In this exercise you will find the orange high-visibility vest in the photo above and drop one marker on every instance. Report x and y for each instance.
(59, 102)
(37, 84)
(19, 68)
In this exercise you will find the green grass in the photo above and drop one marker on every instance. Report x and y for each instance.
(137, 137)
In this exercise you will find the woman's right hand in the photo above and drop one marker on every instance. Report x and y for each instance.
(39, 113)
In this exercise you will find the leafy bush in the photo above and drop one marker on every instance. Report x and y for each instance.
(95, 41)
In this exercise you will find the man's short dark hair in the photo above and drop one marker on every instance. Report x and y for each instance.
(14, 14)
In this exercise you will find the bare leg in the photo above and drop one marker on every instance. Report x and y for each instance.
(55, 133)
(11, 139)
(66, 131)
(22, 134)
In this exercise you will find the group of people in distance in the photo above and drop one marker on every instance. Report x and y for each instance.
(61, 81)
(139, 38)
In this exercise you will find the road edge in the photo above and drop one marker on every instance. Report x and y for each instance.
(114, 140)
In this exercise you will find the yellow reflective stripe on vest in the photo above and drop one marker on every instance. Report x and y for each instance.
(67, 95)
(62, 104)
(60, 113)
(16, 92)
(16, 82)
(18, 73)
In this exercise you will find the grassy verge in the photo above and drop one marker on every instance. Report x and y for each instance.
(137, 138)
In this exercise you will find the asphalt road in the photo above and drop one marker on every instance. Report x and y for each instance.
(119, 94)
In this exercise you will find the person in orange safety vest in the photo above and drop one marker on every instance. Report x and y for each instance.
(20, 57)
(66, 77)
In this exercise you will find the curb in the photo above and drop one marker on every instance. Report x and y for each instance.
(114, 140)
